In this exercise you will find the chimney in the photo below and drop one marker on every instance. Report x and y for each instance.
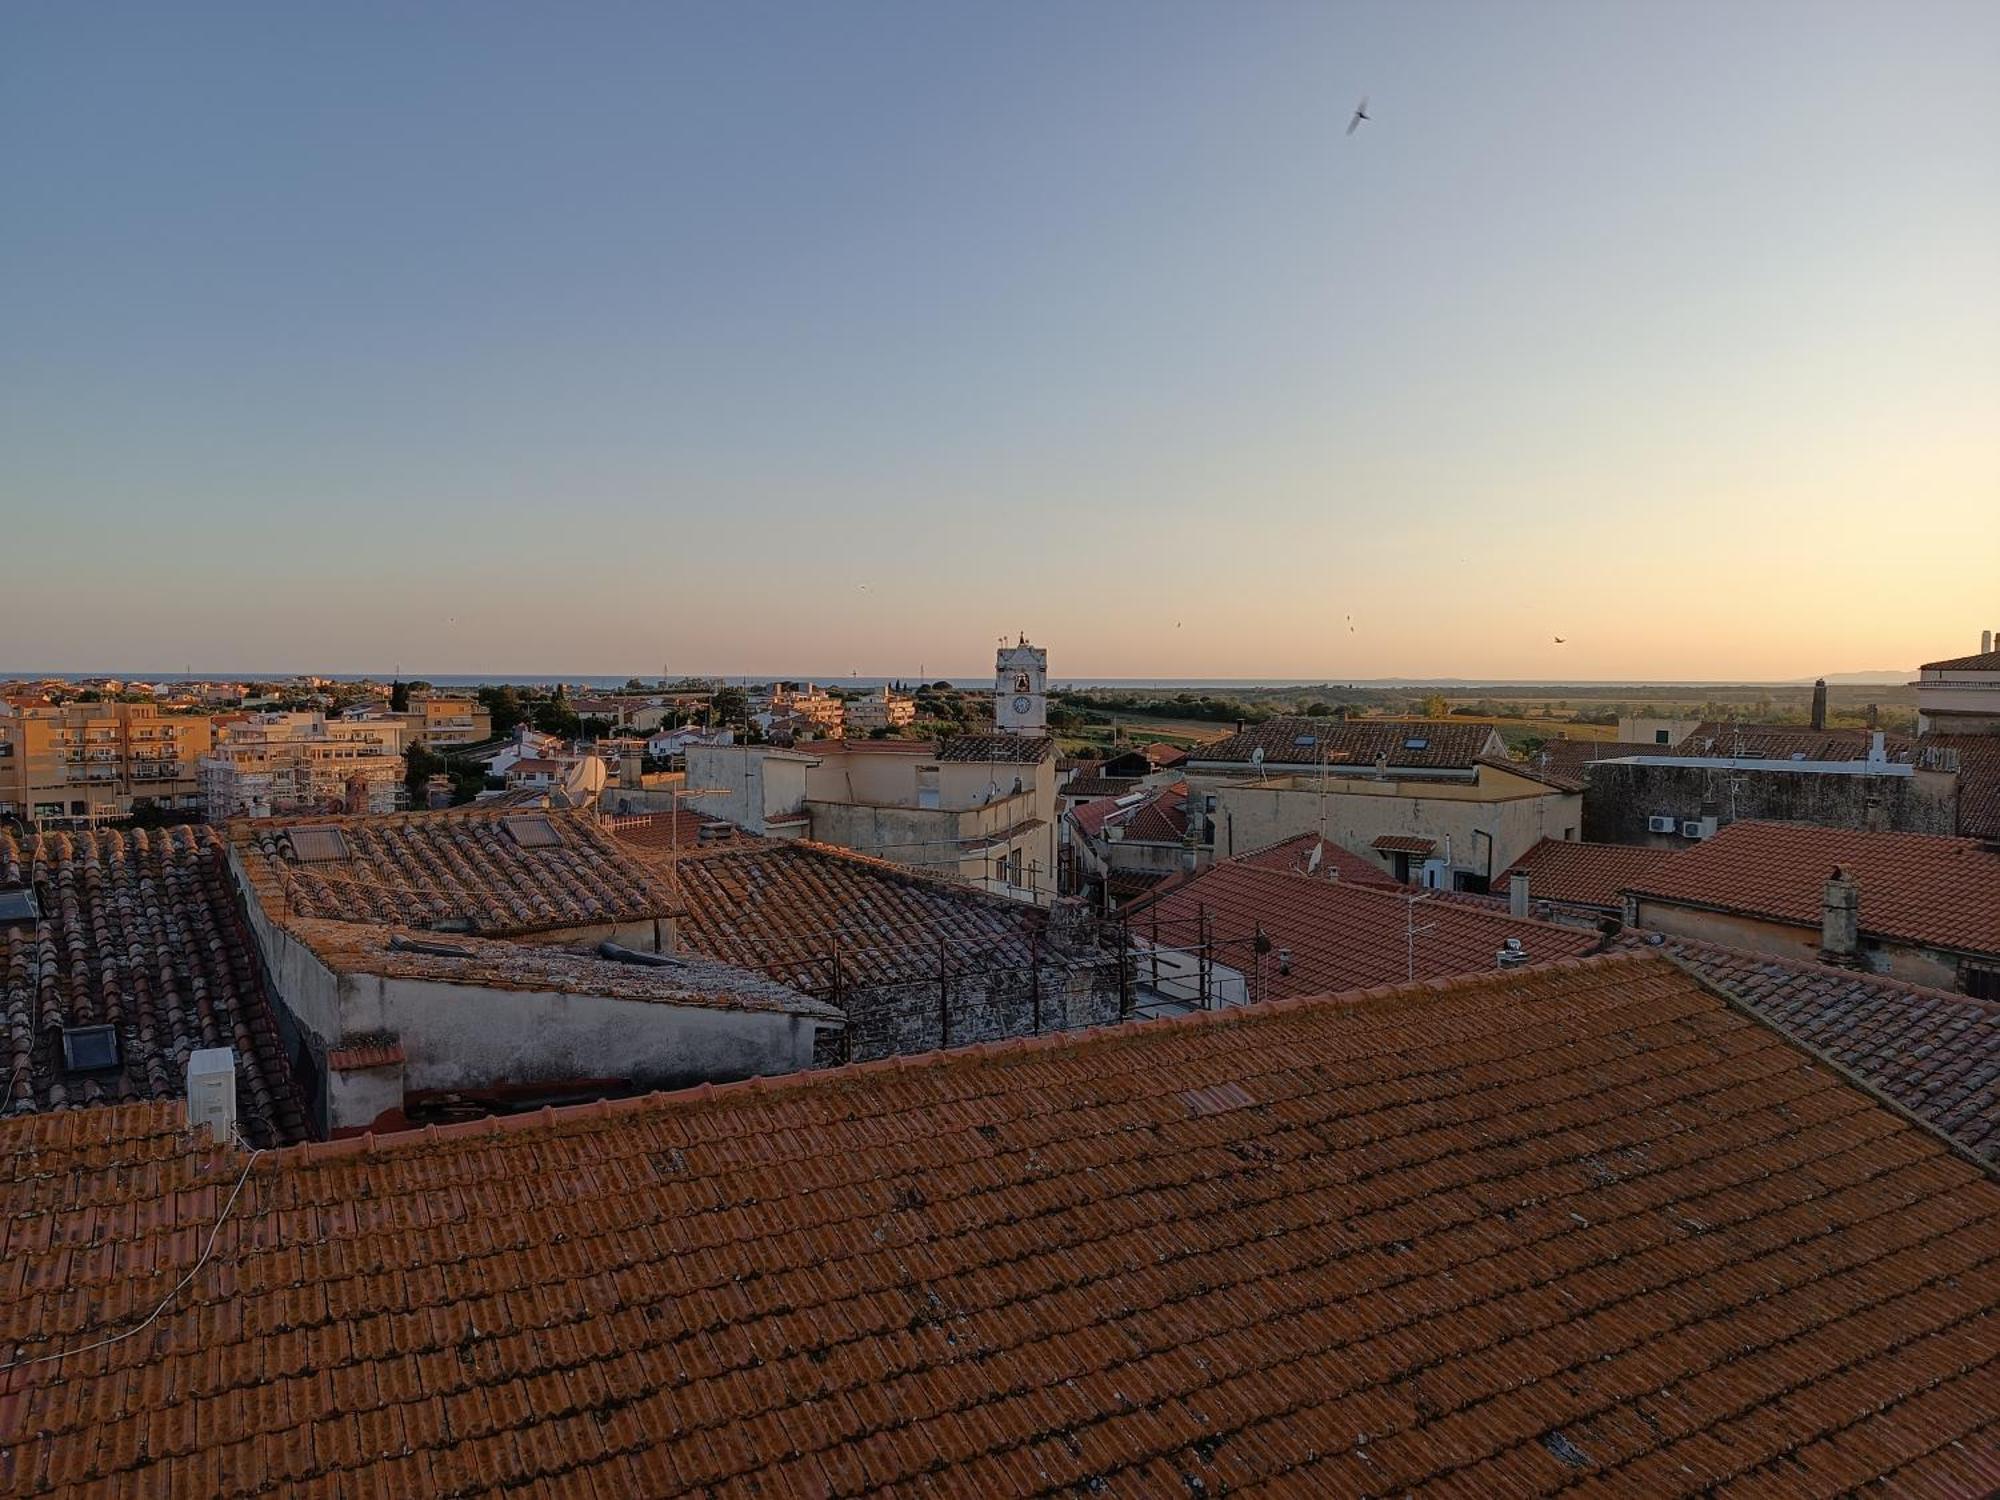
(1511, 955)
(1517, 894)
(1985, 641)
(631, 766)
(1874, 714)
(1840, 920)
(211, 1091)
(1819, 704)
(1878, 748)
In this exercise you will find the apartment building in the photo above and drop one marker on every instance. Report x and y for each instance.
(436, 721)
(80, 764)
(271, 763)
(886, 709)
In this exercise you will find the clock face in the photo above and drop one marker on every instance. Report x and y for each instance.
(1021, 705)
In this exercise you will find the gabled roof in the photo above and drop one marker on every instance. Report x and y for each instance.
(1099, 786)
(1156, 815)
(138, 931)
(1932, 1052)
(463, 865)
(1402, 843)
(1915, 887)
(1002, 749)
(1979, 661)
(1492, 1237)
(1584, 874)
(1294, 856)
(1340, 934)
(1426, 744)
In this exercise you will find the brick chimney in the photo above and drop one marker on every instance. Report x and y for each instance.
(1819, 704)
(1840, 921)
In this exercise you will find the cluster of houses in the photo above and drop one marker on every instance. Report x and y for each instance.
(1320, 1108)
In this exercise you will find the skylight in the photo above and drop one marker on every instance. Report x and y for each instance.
(533, 833)
(318, 845)
(89, 1049)
(1416, 743)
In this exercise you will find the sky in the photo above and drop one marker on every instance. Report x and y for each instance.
(812, 338)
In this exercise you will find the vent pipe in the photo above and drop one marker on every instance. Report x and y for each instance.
(1511, 955)
(211, 1091)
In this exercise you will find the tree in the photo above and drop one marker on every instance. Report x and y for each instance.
(506, 707)
(399, 697)
(730, 705)
(1435, 706)
(554, 716)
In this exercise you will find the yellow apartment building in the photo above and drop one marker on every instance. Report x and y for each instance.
(79, 764)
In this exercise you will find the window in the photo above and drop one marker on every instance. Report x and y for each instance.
(1661, 737)
(89, 1049)
(1981, 982)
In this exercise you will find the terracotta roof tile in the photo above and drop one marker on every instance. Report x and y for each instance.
(1006, 749)
(1577, 874)
(1147, 815)
(139, 931)
(1915, 887)
(1340, 934)
(1586, 1223)
(1986, 661)
(1403, 843)
(1978, 781)
(1294, 856)
(1428, 744)
(1936, 1054)
(465, 865)
(1718, 738)
(1100, 786)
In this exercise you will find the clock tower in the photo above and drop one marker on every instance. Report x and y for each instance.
(1020, 689)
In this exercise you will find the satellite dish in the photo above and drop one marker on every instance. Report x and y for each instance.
(1257, 756)
(1312, 859)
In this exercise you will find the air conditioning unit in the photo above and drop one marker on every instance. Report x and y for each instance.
(1660, 825)
(1698, 828)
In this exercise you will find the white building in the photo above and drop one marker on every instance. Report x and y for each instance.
(1962, 695)
(273, 763)
(1020, 689)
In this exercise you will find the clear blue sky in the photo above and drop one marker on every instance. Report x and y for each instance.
(755, 337)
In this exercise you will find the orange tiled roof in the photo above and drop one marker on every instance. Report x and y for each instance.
(1159, 817)
(1446, 744)
(1493, 1237)
(1402, 843)
(1915, 887)
(139, 931)
(1583, 874)
(1294, 856)
(418, 869)
(1341, 934)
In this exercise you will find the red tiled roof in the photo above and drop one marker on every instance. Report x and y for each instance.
(1447, 744)
(1294, 856)
(1561, 762)
(1915, 887)
(139, 931)
(1002, 749)
(1099, 786)
(1979, 661)
(1932, 1052)
(783, 907)
(1495, 1237)
(1716, 738)
(1155, 815)
(1584, 874)
(1402, 843)
(1163, 756)
(1341, 935)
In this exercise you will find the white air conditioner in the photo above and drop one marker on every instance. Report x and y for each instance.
(1698, 828)
(1660, 825)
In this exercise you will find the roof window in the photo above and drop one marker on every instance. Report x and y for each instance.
(318, 846)
(89, 1049)
(1416, 742)
(533, 833)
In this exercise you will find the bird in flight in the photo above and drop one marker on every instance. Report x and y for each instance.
(1360, 114)
(1560, 641)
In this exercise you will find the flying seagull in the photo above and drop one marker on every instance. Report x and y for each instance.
(1360, 114)
(1560, 641)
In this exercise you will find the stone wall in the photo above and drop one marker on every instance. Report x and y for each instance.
(1619, 797)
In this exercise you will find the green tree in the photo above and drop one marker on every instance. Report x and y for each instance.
(505, 705)
(399, 697)
(555, 716)
(730, 705)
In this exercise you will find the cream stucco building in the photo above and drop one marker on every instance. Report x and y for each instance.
(86, 763)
